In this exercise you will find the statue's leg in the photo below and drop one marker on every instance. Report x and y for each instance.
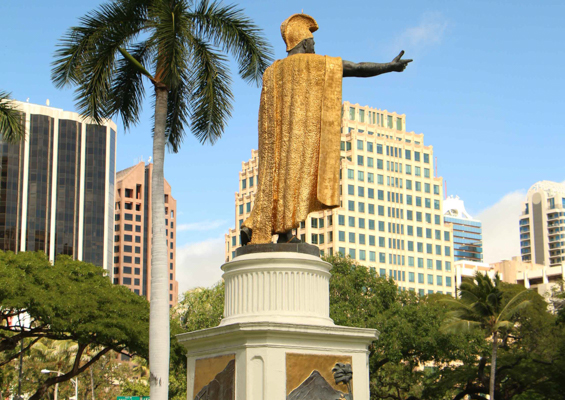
(245, 235)
(288, 237)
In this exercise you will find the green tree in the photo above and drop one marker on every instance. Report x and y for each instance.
(68, 301)
(409, 327)
(481, 306)
(183, 43)
(11, 123)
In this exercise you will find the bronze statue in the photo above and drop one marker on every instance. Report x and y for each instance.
(300, 133)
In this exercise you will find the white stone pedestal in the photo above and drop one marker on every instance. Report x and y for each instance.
(277, 328)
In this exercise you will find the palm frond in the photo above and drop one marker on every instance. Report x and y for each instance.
(178, 112)
(171, 32)
(211, 97)
(503, 326)
(127, 92)
(460, 325)
(12, 126)
(86, 56)
(229, 29)
(514, 305)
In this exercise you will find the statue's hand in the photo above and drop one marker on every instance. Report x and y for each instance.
(398, 64)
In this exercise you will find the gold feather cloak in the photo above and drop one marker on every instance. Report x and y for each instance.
(299, 143)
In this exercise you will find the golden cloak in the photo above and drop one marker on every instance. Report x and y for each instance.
(299, 143)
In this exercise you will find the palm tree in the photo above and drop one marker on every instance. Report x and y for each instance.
(11, 123)
(481, 306)
(183, 43)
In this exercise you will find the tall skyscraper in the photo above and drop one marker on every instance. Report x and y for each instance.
(390, 217)
(57, 186)
(467, 232)
(132, 231)
(542, 224)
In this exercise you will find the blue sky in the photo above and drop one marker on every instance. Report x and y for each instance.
(486, 88)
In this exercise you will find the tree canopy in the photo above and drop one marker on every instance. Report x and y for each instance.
(67, 301)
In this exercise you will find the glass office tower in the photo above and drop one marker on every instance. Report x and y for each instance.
(57, 186)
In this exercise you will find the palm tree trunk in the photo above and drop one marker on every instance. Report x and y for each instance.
(92, 382)
(159, 344)
(493, 364)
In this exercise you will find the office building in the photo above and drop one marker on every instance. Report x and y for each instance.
(390, 217)
(467, 232)
(541, 278)
(57, 186)
(132, 231)
(542, 224)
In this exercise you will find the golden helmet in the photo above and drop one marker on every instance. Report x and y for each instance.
(296, 28)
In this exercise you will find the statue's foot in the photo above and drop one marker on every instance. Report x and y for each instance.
(294, 239)
(288, 237)
(245, 235)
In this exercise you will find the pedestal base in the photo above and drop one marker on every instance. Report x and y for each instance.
(277, 340)
(275, 361)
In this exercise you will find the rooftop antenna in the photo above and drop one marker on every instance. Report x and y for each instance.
(47, 102)
(27, 100)
(149, 160)
(445, 189)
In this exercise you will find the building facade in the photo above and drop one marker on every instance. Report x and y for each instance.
(467, 232)
(132, 231)
(542, 224)
(541, 278)
(57, 186)
(390, 217)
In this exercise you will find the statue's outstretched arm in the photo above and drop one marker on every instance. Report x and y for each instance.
(368, 69)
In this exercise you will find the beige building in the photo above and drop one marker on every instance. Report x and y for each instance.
(542, 224)
(532, 276)
(390, 217)
(132, 231)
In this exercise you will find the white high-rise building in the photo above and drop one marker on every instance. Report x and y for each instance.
(542, 224)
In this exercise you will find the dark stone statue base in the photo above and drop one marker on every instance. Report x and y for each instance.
(304, 248)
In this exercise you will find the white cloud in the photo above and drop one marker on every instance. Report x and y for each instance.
(501, 237)
(198, 263)
(202, 226)
(430, 31)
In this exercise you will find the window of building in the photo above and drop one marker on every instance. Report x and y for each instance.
(420, 278)
(314, 238)
(360, 160)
